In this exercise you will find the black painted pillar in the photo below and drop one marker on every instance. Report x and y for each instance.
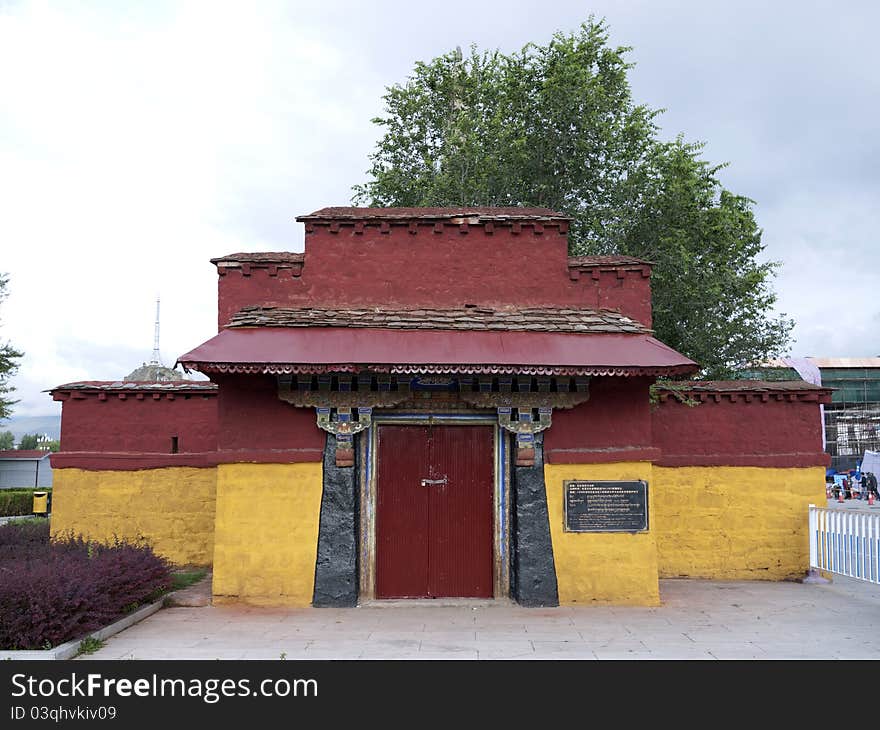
(534, 570)
(336, 569)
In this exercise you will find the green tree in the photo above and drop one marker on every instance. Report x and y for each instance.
(9, 357)
(711, 295)
(7, 441)
(556, 126)
(29, 441)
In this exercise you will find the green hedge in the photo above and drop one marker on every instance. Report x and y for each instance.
(19, 501)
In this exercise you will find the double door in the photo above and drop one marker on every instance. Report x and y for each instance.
(434, 508)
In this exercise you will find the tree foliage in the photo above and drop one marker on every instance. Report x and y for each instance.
(7, 441)
(711, 294)
(556, 126)
(29, 442)
(9, 357)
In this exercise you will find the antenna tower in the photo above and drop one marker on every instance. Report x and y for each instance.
(156, 359)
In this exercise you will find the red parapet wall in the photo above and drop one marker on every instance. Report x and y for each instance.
(732, 426)
(113, 426)
(611, 282)
(613, 425)
(98, 418)
(255, 425)
(404, 264)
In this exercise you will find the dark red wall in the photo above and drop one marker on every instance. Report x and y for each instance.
(427, 269)
(243, 420)
(613, 425)
(139, 426)
(630, 293)
(255, 425)
(778, 433)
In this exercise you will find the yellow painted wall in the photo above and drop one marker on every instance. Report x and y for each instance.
(173, 508)
(610, 568)
(266, 535)
(734, 523)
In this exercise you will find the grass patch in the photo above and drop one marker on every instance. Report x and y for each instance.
(185, 578)
(89, 645)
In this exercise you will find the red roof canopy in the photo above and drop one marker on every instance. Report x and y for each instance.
(346, 349)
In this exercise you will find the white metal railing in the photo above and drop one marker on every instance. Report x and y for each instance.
(846, 542)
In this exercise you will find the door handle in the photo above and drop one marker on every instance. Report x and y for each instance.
(429, 482)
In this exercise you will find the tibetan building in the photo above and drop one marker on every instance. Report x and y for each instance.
(435, 402)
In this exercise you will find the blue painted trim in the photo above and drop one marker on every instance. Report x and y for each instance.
(501, 435)
(368, 463)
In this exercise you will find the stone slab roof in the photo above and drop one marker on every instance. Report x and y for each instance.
(743, 391)
(265, 257)
(537, 319)
(128, 385)
(290, 257)
(589, 261)
(745, 386)
(483, 213)
(753, 385)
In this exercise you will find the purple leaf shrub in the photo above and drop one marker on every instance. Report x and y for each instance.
(55, 590)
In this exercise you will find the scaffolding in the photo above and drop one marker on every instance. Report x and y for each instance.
(852, 419)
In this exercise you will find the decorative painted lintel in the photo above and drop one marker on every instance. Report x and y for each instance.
(524, 425)
(344, 423)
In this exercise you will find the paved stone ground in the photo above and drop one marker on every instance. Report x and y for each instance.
(196, 595)
(698, 620)
(4, 520)
(859, 504)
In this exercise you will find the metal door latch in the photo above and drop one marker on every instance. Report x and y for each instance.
(428, 482)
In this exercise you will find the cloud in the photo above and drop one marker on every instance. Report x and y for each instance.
(135, 149)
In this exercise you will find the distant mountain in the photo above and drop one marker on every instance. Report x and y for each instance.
(21, 425)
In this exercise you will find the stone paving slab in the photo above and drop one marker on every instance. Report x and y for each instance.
(858, 504)
(697, 620)
(198, 594)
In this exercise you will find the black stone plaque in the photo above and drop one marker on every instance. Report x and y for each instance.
(605, 506)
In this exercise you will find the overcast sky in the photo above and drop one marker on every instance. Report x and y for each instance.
(138, 140)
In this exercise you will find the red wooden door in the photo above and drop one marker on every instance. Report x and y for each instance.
(434, 512)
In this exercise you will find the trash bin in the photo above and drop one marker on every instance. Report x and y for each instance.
(41, 503)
